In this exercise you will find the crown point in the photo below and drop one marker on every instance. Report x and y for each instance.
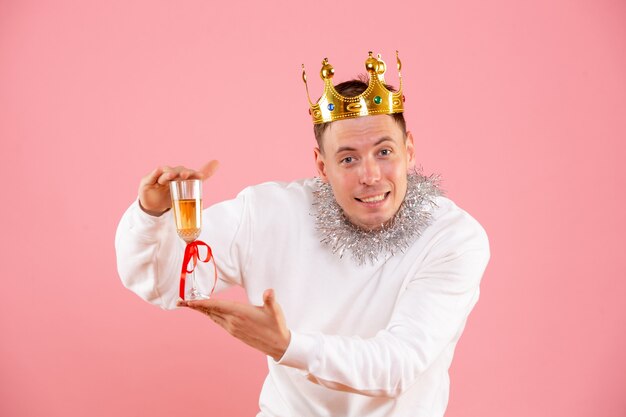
(381, 67)
(371, 63)
(327, 70)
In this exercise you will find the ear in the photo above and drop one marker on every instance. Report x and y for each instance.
(410, 150)
(320, 164)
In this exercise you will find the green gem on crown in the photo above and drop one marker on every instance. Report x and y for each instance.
(378, 99)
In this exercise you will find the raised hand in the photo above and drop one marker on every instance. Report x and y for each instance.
(154, 190)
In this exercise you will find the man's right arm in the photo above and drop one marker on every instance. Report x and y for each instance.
(148, 251)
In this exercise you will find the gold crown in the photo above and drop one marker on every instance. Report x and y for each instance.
(376, 99)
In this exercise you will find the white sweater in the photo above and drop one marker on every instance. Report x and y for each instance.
(372, 340)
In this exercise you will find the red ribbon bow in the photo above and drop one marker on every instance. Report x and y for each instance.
(193, 254)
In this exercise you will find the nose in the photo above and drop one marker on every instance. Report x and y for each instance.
(370, 171)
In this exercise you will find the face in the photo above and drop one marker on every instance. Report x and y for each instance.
(366, 160)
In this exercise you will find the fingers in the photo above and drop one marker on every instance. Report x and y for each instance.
(187, 174)
(157, 177)
(217, 318)
(202, 308)
(166, 177)
(164, 174)
(211, 312)
(152, 177)
(174, 173)
(227, 307)
(205, 172)
(221, 307)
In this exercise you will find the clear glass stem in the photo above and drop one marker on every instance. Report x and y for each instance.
(195, 292)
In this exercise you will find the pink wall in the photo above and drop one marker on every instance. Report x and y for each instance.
(520, 105)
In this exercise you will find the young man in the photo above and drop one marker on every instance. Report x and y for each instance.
(360, 282)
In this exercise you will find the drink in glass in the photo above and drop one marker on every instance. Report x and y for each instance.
(187, 206)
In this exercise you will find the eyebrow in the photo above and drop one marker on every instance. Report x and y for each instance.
(350, 149)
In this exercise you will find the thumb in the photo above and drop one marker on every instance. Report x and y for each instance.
(209, 169)
(269, 298)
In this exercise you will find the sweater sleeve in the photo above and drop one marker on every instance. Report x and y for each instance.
(150, 253)
(429, 315)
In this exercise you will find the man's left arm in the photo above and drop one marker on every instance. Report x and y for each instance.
(429, 315)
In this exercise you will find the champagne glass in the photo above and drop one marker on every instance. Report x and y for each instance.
(187, 205)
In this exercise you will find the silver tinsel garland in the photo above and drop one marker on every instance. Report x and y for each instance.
(395, 236)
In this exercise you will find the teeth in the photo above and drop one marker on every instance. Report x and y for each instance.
(373, 199)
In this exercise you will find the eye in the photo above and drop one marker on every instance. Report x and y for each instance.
(385, 152)
(347, 160)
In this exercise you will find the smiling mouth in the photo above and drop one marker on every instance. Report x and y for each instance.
(373, 199)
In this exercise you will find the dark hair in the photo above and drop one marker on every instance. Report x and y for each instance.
(353, 88)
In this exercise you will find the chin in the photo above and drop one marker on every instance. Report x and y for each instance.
(372, 223)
